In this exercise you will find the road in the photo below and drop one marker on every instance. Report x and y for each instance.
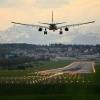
(75, 67)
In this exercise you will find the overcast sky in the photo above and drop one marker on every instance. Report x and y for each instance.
(34, 11)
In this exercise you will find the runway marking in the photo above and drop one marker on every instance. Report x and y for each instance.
(93, 67)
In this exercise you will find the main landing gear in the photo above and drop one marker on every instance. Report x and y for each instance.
(45, 32)
(60, 32)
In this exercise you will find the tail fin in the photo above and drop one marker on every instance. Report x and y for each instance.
(52, 18)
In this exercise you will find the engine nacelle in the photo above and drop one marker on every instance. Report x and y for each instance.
(40, 29)
(66, 29)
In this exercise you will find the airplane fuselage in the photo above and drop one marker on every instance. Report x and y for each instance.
(53, 27)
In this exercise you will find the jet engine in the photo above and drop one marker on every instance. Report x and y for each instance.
(66, 29)
(40, 29)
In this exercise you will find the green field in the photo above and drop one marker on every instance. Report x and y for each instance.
(72, 87)
(35, 66)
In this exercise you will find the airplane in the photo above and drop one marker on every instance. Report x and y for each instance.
(53, 26)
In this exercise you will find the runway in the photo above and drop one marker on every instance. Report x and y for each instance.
(80, 67)
(75, 67)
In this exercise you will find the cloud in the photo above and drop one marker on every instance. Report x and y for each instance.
(51, 3)
(90, 38)
(24, 34)
(8, 3)
(32, 11)
(15, 3)
(82, 36)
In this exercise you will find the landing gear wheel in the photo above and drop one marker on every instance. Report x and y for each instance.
(60, 32)
(45, 32)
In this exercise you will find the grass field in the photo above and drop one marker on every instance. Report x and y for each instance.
(52, 97)
(36, 66)
(72, 87)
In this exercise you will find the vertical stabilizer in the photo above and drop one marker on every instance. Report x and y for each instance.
(52, 18)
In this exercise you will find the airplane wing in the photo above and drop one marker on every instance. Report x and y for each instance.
(73, 25)
(60, 23)
(54, 23)
(31, 25)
